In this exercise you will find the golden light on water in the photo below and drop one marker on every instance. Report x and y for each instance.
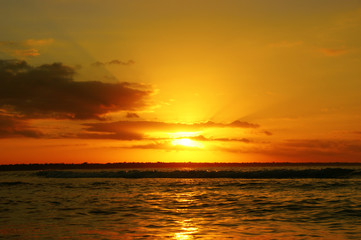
(187, 232)
(188, 227)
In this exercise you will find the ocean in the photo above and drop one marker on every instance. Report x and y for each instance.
(214, 203)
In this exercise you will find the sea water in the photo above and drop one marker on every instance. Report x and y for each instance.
(181, 204)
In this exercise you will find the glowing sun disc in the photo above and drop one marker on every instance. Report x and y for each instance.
(186, 142)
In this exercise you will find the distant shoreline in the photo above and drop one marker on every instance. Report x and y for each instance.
(135, 165)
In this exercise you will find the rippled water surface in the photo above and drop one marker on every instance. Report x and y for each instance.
(33, 207)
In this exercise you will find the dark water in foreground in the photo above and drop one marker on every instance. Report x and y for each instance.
(105, 205)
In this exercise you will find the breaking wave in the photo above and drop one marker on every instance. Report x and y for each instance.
(251, 174)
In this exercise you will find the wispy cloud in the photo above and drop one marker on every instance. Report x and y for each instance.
(113, 62)
(203, 138)
(160, 145)
(119, 135)
(332, 52)
(323, 146)
(26, 48)
(154, 125)
(301, 150)
(124, 129)
(38, 42)
(315, 149)
(268, 133)
(26, 53)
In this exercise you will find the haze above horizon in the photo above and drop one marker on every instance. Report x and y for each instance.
(180, 81)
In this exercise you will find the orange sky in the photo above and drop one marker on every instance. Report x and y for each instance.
(225, 81)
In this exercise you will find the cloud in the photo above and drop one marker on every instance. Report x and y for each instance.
(203, 138)
(154, 125)
(120, 135)
(132, 115)
(310, 150)
(313, 149)
(26, 53)
(323, 146)
(49, 91)
(27, 48)
(153, 145)
(166, 144)
(332, 52)
(113, 62)
(38, 42)
(238, 124)
(268, 133)
(161, 145)
(13, 127)
(120, 129)
(27, 43)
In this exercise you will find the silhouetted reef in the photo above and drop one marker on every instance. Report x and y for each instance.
(273, 173)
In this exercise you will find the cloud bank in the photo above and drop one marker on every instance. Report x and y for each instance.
(49, 91)
(164, 126)
(13, 127)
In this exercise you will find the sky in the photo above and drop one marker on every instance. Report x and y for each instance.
(180, 81)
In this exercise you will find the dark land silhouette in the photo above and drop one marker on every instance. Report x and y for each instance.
(140, 165)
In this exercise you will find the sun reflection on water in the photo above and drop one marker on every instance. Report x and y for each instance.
(187, 230)
(187, 227)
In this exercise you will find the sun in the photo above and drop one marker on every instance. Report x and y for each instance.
(186, 142)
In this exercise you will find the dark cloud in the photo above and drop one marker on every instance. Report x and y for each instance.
(13, 127)
(113, 62)
(49, 91)
(132, 115)
(268, 133)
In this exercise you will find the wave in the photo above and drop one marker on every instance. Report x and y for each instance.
(254, 174)
(17, 183)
